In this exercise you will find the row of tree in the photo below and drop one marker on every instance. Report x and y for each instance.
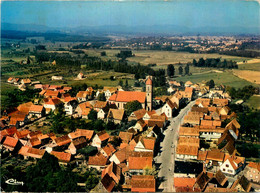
(171, 70)
(214, 63)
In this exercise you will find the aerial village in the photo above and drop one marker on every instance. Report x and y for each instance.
(202, 141)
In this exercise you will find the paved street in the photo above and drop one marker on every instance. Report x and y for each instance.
(166, 159)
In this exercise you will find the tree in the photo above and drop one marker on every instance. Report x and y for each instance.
(187, 69)
(28, 60)
(211, 83)
(126, 83)
(121, 82)
(116, 141)
(101, 97)
(170, 70)
(103, 53)
(92, 115)
(180, 70)
(150, 171)
(132, 106)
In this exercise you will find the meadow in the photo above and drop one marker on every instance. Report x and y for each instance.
(254, 101)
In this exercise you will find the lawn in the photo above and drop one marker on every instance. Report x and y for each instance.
(254, 102)
(253, 67)
(226, 78)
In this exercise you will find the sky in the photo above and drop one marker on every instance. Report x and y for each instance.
(192, 13)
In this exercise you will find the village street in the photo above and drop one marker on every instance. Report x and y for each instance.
(168, 146)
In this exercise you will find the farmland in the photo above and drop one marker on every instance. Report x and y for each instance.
(226, 78)
(251, 76)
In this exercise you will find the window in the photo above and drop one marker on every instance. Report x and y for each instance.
(251, 176)
(224, 169)
(230, 171)
(227, 165)
(256, 176)
(254, 171)
(148, 94)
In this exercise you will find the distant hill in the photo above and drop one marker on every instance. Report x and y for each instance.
(145, 30)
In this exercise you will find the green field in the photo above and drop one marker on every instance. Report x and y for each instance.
(226, 78)
(254, 67)
(254, 102)
(161, 57)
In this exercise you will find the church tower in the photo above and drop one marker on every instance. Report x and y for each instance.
(149, 93)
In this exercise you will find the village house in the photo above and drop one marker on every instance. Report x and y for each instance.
(220, 102)
(184, 184)
(83, 109)
(70, 105)
(83, 96)
(143, 183)
(138, 161)
(210, 132)
(137, 115)
(27, 152)
(63, 158)
(100, 139)
(214, 159)
(21, 134)
(120, 156)
(108, 150)
(11, 143)
(98, 161)
(80, 76)
(26, 81)
(186, 152)
(109, 91)
(77, 144)
(114, 171)
(52, 104)
(88, 134)
(56, 78)
(188, 84)
(126, 137)
(203, 102)
(188, 93)
(115, 115)
(242, 185)
(252, 172)
(193, 118)
(52, 94)
(145, 144)
(169, 108)
(233, 165)
(37, 111)
(18, 119)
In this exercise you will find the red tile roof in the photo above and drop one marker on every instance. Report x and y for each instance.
(10, 142)
(36, 108)
(125, 136)
(140, 160)
(25, 107)
(127, 96)
(215, 155)
(22, 134)
(103, 135)
(108, 183)
(62, 140)
(62, 156)
(97, 160)
(254, 165)
(149, 81)
(184, 182)
(51, 93)
(109, 149)
(187, 150)
(32, 152)
(143, 183)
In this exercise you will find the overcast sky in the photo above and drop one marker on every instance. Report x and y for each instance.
(192, 13)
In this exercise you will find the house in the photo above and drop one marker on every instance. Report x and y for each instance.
(183, 184)
(26, 81)
(203, 102)
(220, 102)
(138, 161)
(145, 144)
(143, 183)
(188, 93)
(34, 142)
(242, 185)
(83, 109)
(114, 171)
(18, 119)
(108, 91)
(115, 115)
(70, 105)
(252, 172)
(210, 132)
(126, 137)
(233, 165)
(100, 105)
(214, 158)
(192, 118)
(21, 134)
(88, 134)
(52, 104)
(83, 96)
(10, 80)
(63, 140)
(27, 152)
(188, 84)
(98, 161)
(80, 75)
(137, 115)
(52, 94)
(169, 108)
(10, 143)
(108, 150)
(120, 156)
(186, 152)
(201, 181)
(25, 107)
(233, 128)
(56, 78)
(170, 90)
(63, 157)
(106, 184)
(189, 131)
(224, 110)
(37, 111)
(77, 144)
(102, 113)
(100, 139)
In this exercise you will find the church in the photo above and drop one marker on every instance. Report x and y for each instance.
(120, 98)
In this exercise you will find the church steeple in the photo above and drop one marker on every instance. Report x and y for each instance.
(149, 93)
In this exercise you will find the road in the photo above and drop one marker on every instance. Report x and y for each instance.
(168, 146)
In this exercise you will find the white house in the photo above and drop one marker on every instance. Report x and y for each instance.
(100, 139)
(233, 165)
(56, 78)
(145, 145)
(168, 108)
(101, 114)
(52, 104)
(170, 90)
(70, 106)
